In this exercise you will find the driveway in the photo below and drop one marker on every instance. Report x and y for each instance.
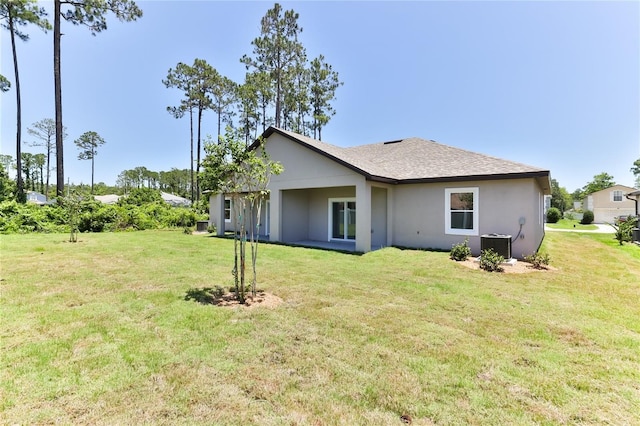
(602, 229)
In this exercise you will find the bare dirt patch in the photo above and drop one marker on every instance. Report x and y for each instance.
(519, 267)
(262, 298)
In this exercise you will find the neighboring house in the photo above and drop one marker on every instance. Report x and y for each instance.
(107, 199)
(175, 200)
(610, 203)
(170, 199)
(38, 198)
(409, 193)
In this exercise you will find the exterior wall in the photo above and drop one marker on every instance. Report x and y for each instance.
(295, 207)
(378, 217)
(419, 214)
(300, 193)
(605, 209)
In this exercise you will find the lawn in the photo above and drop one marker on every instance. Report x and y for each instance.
(572, 224)
(98, 332)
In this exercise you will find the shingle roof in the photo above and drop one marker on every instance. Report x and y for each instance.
(416, 160)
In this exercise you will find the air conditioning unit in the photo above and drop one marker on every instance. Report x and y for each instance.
(501, 244)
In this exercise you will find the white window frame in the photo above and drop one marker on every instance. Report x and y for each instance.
(447, 211)
(230, 209)
(330, 217)
(617, 192)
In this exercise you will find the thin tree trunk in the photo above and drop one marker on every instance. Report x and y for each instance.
(58, 99)
(20, 183)
(198, 154)
(92, 170)
(46, 193)
(191, 126)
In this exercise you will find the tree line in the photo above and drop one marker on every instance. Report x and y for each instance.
(15, 14)
(281, 86)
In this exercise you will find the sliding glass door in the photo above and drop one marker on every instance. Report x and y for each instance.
(342, 218)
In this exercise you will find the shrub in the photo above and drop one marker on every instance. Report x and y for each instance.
(569, 215)
(587, 217)
(553, 215)
(624, 230)
(490, 260)
(537, 260)
(461, 251)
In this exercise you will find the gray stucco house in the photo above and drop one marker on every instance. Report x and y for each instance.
(410, 193)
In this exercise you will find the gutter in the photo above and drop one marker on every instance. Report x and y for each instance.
(635, 200)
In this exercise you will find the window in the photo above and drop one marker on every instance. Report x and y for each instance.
(461, 211)
(617, 195)
(227, 209)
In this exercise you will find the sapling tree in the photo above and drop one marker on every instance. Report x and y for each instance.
(71, 204)
(243, 174)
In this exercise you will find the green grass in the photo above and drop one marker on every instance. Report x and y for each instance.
(98, 332)
(572, 224)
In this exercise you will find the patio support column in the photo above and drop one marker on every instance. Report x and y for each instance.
(390, 205)
(275, 206)
(216, 208)
(363, 216)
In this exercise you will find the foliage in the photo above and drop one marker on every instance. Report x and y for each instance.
(140, 196)
(5, 84)
(636, 168)
(72, 207)
(553, 215)
(93, 216)
(277, 52)
(599, 182)
(45, 131)
(587, 217)
(538, 260)
(490, 260)
(560, 197)
(7, 185)
(624, 229)
(205, 295)
(461, 251)
(25, 218)
(243, 173)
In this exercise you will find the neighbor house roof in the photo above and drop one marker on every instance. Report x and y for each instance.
(107, 199)
(415, 160)
(175, 200)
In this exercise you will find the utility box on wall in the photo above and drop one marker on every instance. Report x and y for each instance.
(501, 244)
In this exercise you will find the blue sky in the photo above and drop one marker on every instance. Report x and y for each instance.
(551, 84)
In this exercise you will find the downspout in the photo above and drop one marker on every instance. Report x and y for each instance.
(635, 200)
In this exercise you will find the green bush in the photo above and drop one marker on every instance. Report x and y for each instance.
(537, 260)
(587, 217)
(461, 251)
(95, 217)
(490, 260)
(553, 215)
(624, 230)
